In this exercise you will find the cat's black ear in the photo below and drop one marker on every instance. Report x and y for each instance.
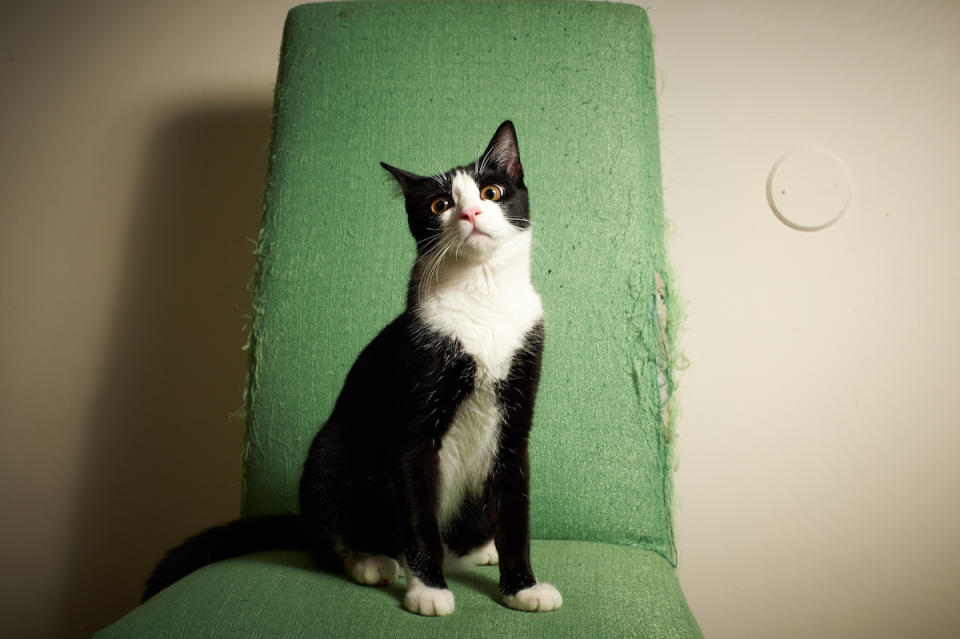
(404, 179)
(504, 152)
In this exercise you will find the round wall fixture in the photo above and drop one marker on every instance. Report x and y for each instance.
(809, 188)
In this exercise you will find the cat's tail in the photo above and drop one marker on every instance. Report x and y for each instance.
(254, 534)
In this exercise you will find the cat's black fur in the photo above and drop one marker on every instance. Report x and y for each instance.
(370, 480)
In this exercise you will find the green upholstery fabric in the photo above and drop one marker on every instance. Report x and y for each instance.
(423, 85)
(609, 592)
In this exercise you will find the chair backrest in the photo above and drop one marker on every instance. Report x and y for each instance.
(423, 85)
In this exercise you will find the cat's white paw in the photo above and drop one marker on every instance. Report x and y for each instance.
(427, 601)
(538, 598)
(485, 555)
(372, 570)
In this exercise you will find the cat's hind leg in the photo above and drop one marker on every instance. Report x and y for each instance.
(372, 570)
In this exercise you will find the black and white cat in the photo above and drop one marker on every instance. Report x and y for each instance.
(423, 462)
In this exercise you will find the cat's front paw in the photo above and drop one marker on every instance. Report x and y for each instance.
(538, 598)
(427, 601)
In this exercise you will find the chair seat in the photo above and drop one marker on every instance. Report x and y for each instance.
(608, 590)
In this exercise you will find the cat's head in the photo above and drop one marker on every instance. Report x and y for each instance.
(471, 211)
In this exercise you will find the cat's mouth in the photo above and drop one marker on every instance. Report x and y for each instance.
(474, 234)
(476, 237)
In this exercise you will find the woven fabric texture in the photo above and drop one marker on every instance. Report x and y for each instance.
(422, 85)
(609, 591)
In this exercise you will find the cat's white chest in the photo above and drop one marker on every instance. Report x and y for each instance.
(491, 321)
(467, 451)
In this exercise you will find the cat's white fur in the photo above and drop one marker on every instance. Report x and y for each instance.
(467, 450)
(424, 600)
(485, 555)
(429, 602)
(480, 294)
(537, 598)
(372, 570)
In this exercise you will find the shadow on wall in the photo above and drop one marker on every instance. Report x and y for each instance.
(163, 460)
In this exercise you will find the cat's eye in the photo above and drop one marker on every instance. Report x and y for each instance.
(492, 192)
(439, 205)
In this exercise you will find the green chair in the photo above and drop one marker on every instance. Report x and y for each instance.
(423, 85)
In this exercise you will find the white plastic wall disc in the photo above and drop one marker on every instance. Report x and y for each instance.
(809, 188)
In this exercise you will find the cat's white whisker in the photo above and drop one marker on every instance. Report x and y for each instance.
(428, 248)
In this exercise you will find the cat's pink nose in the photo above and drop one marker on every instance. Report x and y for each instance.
(470, 214)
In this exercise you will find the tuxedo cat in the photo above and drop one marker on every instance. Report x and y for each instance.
(423, 465)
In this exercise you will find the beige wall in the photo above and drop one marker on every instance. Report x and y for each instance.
(817, 458)
(820, 417)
